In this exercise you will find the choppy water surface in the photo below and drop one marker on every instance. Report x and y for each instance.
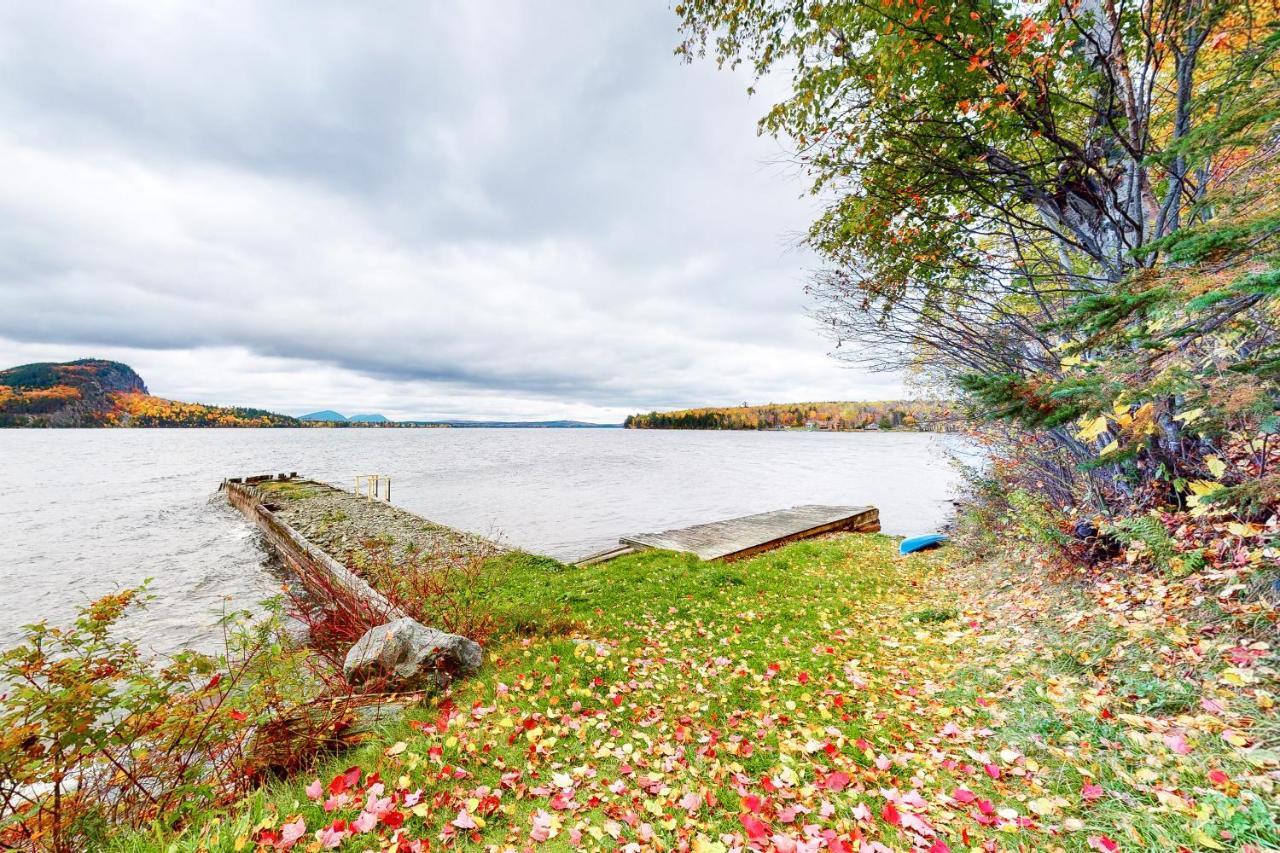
(83, 512)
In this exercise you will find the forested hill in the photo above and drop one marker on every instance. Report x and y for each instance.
(97, 393)
(835, 415)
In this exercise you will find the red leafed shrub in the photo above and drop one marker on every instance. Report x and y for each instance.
(95, 736)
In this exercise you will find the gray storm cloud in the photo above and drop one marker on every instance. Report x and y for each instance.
(503, 209)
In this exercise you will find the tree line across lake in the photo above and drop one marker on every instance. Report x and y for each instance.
(835, 416)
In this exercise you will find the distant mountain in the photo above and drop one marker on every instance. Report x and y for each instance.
(97, 393)
(93, 392)
(328, 416)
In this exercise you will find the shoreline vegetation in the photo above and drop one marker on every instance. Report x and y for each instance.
(833, 416)
(97, 393)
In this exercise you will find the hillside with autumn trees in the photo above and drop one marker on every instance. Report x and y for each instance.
(834, 416)
(98, 393)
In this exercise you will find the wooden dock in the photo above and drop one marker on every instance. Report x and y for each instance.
(735, 538)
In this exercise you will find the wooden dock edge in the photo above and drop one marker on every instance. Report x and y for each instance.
(867, 521)
(863, 522)
(606, 555)
(301, 557)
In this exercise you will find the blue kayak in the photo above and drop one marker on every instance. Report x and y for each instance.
(921, 543)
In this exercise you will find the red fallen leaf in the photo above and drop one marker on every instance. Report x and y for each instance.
(986, 807)
(347, 779)
(1217, 777)
(1103, 844)
(939, 846)
(803, 678)
(213, 682)
(963, 795)
(393, 819)
(238, 716)
(617, 699)
(752, 803)
(992, 771)
(836, 781)
(1091, 792)
(755, 827)
(447, 712)
(890, 814)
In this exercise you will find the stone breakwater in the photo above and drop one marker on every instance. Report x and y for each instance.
(354, 529)
(327, 536)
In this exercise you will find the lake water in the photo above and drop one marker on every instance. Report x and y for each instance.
(83, 512)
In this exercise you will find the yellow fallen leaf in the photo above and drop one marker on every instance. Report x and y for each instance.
(1042, 806)
(1244, 531)
(1093, 429)
(1202, 838)
(1173, 801)
(396, 748)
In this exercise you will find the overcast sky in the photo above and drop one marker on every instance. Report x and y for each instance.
(507, 210)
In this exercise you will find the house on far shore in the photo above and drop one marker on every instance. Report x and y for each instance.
(872, 425)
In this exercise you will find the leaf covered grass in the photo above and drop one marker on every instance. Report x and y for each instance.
(830, 695)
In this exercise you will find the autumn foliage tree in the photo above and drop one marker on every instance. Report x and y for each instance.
(1030, 203)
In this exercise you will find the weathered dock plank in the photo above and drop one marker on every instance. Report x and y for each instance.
(735, 538)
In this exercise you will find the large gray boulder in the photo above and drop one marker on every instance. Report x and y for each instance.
(412, 655)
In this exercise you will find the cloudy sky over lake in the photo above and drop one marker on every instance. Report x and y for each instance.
(507, 210)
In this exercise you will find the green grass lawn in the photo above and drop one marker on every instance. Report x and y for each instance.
(830, 695)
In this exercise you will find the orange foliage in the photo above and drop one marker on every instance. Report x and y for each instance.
(35, 401)
(135, 409)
